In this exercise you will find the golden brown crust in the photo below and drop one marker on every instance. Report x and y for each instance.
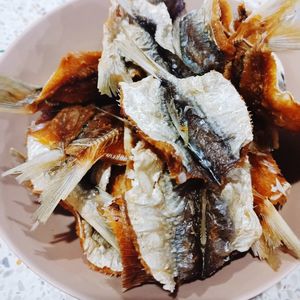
(133, 274)
(259, 87)
(75, 80)
(65, 126)
(267, 180)
(221, 20)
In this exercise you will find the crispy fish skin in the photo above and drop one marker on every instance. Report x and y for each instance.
(162, 219)
(133, 273)
(228, 222)
(215, 146)
(65, 126)
(262, 86)
(203, 37)
(75, 81)
(267, 179)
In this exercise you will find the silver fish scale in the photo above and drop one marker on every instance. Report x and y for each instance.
(198, 48)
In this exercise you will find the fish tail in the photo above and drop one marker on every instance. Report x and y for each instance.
(59, 188)
(285, 38)
(277, 231)
(130, 50)
(33, 168)
(66, 179)
(15, 96)
(266, 20)
(261, 249)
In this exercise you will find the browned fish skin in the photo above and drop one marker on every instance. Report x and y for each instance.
(267, 180)
(75, 80)
(260, 88)
(65, 126)
(133, 274)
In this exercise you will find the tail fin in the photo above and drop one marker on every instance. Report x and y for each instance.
(285, 38)
(67, 178)
(264, 21)
(15, 96)
(279, 230)
(33, 168)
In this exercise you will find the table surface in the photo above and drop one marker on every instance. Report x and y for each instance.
(17, 282)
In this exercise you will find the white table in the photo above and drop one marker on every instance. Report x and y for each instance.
(17, 282)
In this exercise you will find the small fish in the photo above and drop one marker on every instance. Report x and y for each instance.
(201, 37)
(207, 112)
(228, 223)
(56, 172)
(163, 219)
(74, 82)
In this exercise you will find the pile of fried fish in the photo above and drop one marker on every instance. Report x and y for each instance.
(161, 145)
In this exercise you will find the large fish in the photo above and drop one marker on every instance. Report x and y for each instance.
(207, 112)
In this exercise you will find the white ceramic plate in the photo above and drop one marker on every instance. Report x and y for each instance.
(78, 26)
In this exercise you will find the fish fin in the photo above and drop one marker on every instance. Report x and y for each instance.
(33, 168)
(112, 71)
(130, 50)
(86, 206)
(67, 178)
(278, 230)
(265, 20)
(15, 96)
(285, 38)
(261, 249)
(59, 188)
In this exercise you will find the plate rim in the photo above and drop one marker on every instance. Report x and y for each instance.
(40, 272)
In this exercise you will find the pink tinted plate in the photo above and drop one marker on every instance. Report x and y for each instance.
(51, 251)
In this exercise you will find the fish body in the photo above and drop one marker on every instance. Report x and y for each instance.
(199, 114)
(74, 82)
(162, 219)
(201, 37)
(229, 224)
